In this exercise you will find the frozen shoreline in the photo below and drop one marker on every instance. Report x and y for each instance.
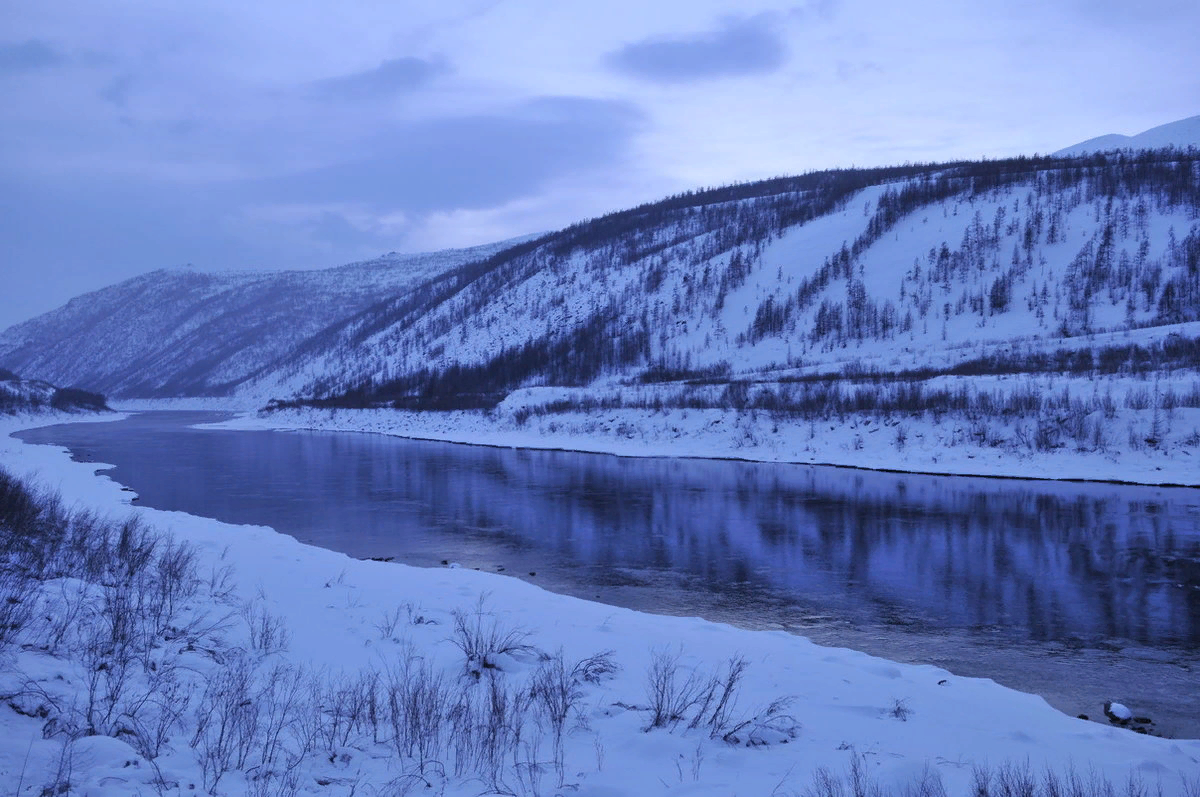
(332, 605)
(931, 447)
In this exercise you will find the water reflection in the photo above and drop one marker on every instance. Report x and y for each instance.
(1027, 560)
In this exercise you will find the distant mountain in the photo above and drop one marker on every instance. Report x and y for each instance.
(936, 266)
(181, 332)
(1182, 134)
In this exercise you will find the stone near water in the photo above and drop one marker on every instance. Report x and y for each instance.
(1117, 712)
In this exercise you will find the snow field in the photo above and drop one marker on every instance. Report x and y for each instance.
(946, 443)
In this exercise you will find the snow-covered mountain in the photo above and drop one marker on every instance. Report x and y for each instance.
(183, 332)
(891, 269)
(992, 266)
(1183, 133)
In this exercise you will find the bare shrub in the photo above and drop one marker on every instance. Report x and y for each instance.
(1010, 779)
(556, 690)
(465, 716)
(507, 710)
(720, 699)
(900, 709)
(487, 720)
(1015, 780)
(18, 591)
(220, 584)
(417, 699)
(483, 639)
(226, 720)
(161, 714)
(274, 784)
(176, 579)
(710, 702)
(348, 708)
(1108, 406)
(283, 738)
(981, 780)
(1138, 399)
(417, 617)
(527, 766)
(133, 550)
(63, 612)
(258, 727)
(268, 632)
(861, 782)
(389, 622)
(672, 695)
(774, 724)
(929, 784)
(825, 784)
(596, 668)
(143, 572)
(855, 782)
(64, 768)
(1137, 441)
(131, 684)
(1046, 434)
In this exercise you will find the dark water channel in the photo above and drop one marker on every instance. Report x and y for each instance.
(1078, 592)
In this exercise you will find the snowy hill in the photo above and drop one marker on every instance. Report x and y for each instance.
(182, 332)
(1068, 265)
(1182, 134)
(884, 270)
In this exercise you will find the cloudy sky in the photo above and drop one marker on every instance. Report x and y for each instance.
(139, 134)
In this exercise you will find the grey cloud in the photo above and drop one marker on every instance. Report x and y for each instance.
(72, 234)
(76, 232)
(824, 10)
(28, 55)
(739, 47)
(395, 76)
(334, 230)
(847, 71)
(117, 91)
(471, 161)
(1121, 13)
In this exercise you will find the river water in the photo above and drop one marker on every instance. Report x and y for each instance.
(1077, 592)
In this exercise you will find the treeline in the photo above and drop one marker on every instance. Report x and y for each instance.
(1026, 416)
(660, 372)
(575, 360)
(18, 395)
(73, 398)
(1130, 359)
(1173, 352)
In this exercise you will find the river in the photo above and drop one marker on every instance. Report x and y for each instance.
(1077, 592)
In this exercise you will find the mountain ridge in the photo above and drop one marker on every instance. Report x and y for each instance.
(891, 269)
(1181, 133)
(170, 315)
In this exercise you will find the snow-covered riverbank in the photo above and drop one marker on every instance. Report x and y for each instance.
(947, 445)
(347, 618)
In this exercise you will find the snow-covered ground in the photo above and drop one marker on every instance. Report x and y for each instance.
(898, 720)
(950, 444)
